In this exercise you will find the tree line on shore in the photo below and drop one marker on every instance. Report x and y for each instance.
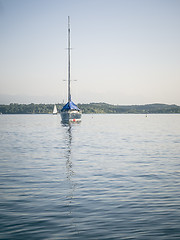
(15, 108)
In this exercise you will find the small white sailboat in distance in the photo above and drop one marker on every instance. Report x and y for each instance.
(55, 110)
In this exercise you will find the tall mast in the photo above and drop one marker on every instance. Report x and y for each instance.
(69, 61)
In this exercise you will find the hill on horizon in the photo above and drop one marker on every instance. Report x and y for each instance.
(15, 108)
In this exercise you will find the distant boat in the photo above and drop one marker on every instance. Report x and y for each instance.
(70, 112)
(55, 110)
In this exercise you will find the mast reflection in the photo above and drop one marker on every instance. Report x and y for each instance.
(69, 175)
(69, 168)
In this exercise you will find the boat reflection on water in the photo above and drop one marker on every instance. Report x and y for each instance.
(71, 185)
(69, 170)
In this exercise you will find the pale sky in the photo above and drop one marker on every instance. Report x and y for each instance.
(123, 51)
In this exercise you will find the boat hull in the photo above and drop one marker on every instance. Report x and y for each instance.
(71, 116)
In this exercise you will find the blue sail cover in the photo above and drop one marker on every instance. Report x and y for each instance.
(70, 106)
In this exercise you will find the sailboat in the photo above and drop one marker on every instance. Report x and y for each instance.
(70, 112)
(55, 110)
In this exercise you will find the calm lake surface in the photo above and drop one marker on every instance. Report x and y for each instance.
(109, 177)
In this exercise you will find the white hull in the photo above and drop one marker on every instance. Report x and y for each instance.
(71, 116)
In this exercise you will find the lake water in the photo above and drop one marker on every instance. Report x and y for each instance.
(109, 177)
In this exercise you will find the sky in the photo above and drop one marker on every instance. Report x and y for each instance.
(123, 51)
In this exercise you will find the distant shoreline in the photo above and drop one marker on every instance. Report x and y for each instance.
(95, 108)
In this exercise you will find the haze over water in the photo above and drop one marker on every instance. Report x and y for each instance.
(109, 177)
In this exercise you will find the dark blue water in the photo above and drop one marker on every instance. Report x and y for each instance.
(109, 177)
